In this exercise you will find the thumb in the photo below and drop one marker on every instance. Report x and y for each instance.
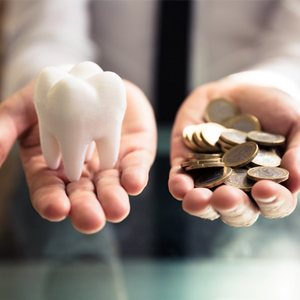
(291, 159)
(17, 115)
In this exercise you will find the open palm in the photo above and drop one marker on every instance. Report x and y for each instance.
(98, 195)
(277, 114)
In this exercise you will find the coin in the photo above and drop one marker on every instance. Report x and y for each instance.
(219, 110)
(201, 145)
(265, 138)
(233, 136)
(187, 135)
(224, 146)
(211, 132)
(193, 162)
(266, 158)
(243, 122)
(187, 163)
(203, 155)
(238, 178)
(239, 147)
(269, 173)
(205, 165)
(196, 136)
(212, 177)
(240, 155)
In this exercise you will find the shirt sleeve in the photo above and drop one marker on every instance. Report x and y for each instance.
(279, 52)
(39, 33)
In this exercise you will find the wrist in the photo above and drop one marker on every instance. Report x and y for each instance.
(267, 79)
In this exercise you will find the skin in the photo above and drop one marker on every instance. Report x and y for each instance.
(233, 206)
(98, 196)
(104, 196)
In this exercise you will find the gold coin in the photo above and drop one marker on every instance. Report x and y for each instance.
(196, 137)
(233, 136)
(211, 132)
(238, 178)
(243, 122)
(265, 138)
(187, 163)
(240, 155)
(268, 173)
(210, 159)
(225, 144)
(205, 165)
(200, 143)
(203, 155)
(187, 135)
(212, 177)
(266, 158)
(218, 110)
(202, 146)
(225, 148)
(192, 162)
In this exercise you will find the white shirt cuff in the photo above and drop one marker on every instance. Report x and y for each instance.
(268, 79)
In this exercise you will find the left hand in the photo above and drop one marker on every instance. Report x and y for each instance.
(277, 115)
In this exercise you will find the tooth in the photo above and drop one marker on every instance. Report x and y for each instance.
(76, 108)
(49, 144)
(85, 70)
(50, 147)
(90, 151)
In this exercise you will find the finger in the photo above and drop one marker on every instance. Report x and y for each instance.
(112, 196)
(86, 212)
(17, 114)
(135, 166)
(234, 206)
(139, 140)
(190, 112)
(179, 183)
(274, 106)
(47, 190)
(273, 199)
(291, 160)
(197, 203)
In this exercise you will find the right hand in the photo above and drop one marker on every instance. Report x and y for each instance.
(98, 196)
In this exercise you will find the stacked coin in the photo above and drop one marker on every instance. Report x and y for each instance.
(230, 148)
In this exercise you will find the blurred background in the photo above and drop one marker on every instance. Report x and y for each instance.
(159, 251)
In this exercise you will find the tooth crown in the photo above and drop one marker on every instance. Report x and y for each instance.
(75, 108)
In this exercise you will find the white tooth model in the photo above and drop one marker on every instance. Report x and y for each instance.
(74, 109)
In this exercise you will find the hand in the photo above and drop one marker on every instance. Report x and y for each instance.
(97, 196)
(277, 115)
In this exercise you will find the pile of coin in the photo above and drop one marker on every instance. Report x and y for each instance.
(231, 148)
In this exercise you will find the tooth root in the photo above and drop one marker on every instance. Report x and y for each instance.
(108, 150)
(50, 148)
(73, 156)
(89, 152)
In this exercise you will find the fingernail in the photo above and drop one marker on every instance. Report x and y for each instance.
(266, 200)
(236, 211)
(209, 213)
(206, 193)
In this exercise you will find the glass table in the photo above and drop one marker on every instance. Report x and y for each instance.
(157, 253)
(209, 279)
